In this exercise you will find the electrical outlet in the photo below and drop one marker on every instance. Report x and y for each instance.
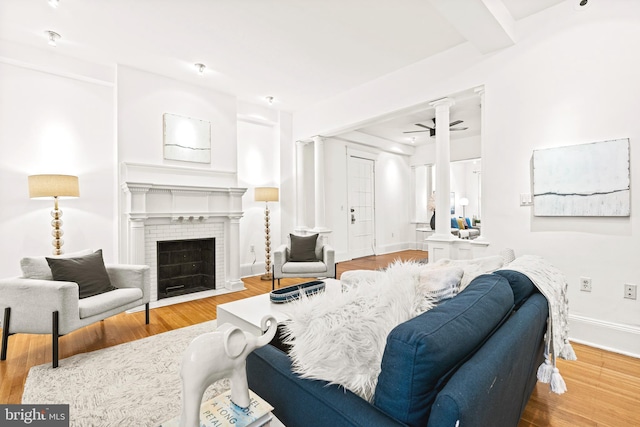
(585, 284)
(252, 249)
(630, 291)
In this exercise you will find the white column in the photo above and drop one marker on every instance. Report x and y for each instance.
(233, 281)
(480, 92)
(318, 166)
(136, 209)
(301, 199)
(443, 169)
(136, 247)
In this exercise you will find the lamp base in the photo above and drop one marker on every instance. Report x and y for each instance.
(265, 277)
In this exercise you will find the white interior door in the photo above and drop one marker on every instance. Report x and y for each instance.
(361, 207)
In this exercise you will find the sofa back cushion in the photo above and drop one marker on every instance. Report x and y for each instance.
(422, 353)
(38, 268)
(521, 285)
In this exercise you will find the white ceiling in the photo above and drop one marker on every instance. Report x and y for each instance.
(299, 51)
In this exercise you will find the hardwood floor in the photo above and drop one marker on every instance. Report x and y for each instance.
(603, 387)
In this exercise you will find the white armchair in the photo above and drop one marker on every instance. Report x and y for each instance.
(321, 265)
(37, 304)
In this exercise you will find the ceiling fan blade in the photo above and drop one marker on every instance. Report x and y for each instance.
(416, 131)
(423, 126)
(458, 128)
(457, 122)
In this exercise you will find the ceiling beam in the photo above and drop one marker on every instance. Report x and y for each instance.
(361, 138)
(487, 24)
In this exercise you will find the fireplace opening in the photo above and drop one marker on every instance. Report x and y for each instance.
(186, 266)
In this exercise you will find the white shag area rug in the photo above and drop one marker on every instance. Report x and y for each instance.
(132, 384)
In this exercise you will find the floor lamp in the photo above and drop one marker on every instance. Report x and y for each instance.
(266, 194)
(44, 186)
(464, 202)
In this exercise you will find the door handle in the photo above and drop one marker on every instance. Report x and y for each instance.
(353, 219)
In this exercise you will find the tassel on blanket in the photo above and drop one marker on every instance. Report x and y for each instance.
(567, 352)
(545, 371)
(557, 383)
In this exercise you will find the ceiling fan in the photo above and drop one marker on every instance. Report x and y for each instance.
(432, 129)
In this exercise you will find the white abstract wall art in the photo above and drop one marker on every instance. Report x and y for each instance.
(582, 180)
(186, 139)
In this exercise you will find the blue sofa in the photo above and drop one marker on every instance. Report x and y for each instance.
(470, 361)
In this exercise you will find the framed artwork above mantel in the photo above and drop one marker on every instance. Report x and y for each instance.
(583, 180)
(186, 139)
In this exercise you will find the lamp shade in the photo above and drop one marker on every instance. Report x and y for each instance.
(464, 201)
(53, 186)
(266, 194)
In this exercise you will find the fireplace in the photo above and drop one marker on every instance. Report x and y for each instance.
(186, 266)
(199, 204)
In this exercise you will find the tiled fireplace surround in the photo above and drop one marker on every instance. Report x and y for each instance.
(152, 212)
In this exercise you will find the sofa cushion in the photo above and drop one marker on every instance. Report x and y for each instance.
(303, 248)
(422, 353)
(87, 271)
(100, 303)
(307, 267)
(38, 268)
(521, 285)
(454, 223)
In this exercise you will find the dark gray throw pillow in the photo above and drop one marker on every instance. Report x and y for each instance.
(303, 248)
(87, 271)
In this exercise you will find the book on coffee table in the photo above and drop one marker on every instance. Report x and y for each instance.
(220, 411)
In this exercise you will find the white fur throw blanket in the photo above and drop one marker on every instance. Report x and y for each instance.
(553, 285)
(340, 337)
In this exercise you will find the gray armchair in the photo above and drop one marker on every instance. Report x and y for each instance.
(37, 304)
(324, 264)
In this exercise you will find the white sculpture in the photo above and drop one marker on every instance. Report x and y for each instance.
(216, 355)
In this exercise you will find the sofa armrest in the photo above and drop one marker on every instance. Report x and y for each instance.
(280, 255)
(33, 300)
(308, 403)
(502, 374)
(329, 258)
(131, 276)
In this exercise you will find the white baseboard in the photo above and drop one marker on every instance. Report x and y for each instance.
(395, 247)
(608, 336)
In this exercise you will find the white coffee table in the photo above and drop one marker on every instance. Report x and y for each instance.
(248, 313)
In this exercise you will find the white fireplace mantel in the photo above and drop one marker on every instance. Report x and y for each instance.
(184, 207)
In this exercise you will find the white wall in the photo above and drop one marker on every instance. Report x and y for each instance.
(258, 166)
(56, 116)
(60, 115)
(142, 100)
(570, 79)
(393, 198)
(394, 201)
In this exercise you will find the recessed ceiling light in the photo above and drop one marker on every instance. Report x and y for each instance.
(53, 37)
(54, 3)
(582, 4)
(269, 99)
(200, 68)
